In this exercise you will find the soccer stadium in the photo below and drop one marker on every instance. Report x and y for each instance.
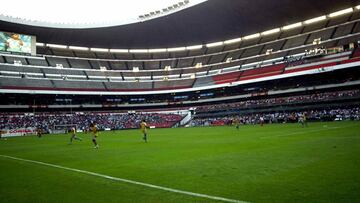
(180, 101)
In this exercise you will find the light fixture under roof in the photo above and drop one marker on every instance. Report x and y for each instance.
(119, 50)
(314, 20)
(194, 47)
(99, 49)
(175, 49)
(342, 12)
(233, 41)
(269, 32)
(214, 44)
(292, 26)
(138, 51)
(157, 50)
(79, 48)
(57, 46)
(39, 44)
(253, 36)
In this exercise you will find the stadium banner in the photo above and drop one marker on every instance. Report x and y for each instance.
(19, 132)
(17, 43)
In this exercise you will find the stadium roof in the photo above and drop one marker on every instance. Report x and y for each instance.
(210, 21)
(59, 14)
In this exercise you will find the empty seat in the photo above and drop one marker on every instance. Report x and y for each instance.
(275, 46)
(104, 55)
(343, 30)
(185, 62)
(235, 54)
(54, 61)
(132, 64)
(128, 86)
(171, 63)
(152, 65)
(118, 65)
(78, 85)
(25, 83)
(37, 62)
(85, 54)
(204, 60)
(295, 42)
(79, 63)
(252, 51)
(324, 35)
(63, 52)
(12, 59)
(173, 84)
(217, 58)
(216, 49)
(203, 82)
(97, 64)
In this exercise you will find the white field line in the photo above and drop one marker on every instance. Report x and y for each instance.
(302, 132)
(126, 180)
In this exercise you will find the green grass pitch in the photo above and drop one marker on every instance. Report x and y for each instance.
(273, 163)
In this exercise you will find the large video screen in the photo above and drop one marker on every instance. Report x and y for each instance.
(17, 43)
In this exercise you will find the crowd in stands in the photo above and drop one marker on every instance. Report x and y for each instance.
(83, 120)
(281, 117)
(281, 100)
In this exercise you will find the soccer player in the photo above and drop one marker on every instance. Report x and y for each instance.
(94, 130)
(1, 132)
(302, 120)
(39, 132)
(262, 121)
(73, 135)
(143, 128)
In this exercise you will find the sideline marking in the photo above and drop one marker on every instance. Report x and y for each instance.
(302, 132)
(127, 181)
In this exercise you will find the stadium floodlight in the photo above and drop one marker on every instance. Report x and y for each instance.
(214, 44)
(342, 12)
(119, 50)
(194, 47)
(292, 26)
(253, 36)
(57, 46)
(99, 49)
(79, 48)
(38, 44)
(138, 51)
(315, 20)
(175, 49)
(358, 7)
(157, 50)
(269, 32)
(232, 41)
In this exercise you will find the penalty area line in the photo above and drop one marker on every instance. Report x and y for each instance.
(127, 181)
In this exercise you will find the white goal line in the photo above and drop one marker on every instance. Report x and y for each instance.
(126, 180)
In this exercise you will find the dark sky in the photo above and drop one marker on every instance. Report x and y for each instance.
(215, 20)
